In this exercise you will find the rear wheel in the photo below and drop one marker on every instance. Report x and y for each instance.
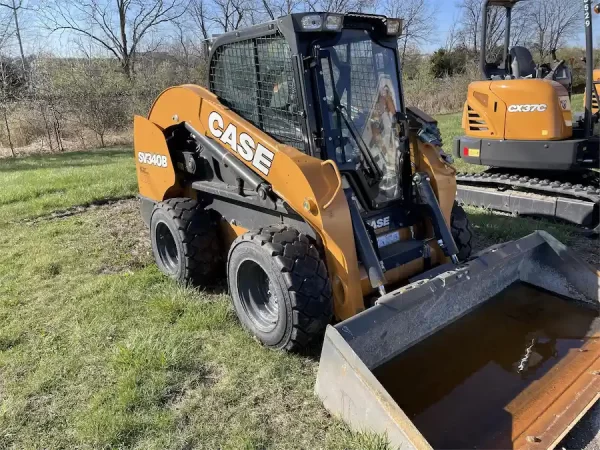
(280, 287)
(461, 231)
(185, 243)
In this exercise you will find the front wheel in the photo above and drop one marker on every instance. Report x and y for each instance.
(461, 232)
(280, 287)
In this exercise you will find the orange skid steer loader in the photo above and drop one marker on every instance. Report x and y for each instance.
(302, 176)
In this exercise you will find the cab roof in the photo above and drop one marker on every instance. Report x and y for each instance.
(507, 3)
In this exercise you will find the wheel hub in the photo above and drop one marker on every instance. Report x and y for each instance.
(258, 295)
(167, 248)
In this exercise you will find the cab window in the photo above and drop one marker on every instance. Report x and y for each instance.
(255, 79)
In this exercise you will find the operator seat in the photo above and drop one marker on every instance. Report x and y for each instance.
(521, 63)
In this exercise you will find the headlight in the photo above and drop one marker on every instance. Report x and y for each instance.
(312, 22)
(334, 22)
(394, 26)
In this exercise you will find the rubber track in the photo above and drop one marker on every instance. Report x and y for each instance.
(588, 187)
(297, 258)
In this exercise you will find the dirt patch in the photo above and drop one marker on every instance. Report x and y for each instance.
(79, 209)
(587, 248)
(127, 234)
(115, 234)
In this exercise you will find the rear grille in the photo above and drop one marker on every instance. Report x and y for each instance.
(476, 122)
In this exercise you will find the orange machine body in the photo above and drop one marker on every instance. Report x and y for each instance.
(522, 109)
(310, 186)
(596, 80)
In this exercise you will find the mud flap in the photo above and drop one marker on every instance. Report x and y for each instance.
(356, 347)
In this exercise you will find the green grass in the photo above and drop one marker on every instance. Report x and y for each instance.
(99, 350)
(37, 185)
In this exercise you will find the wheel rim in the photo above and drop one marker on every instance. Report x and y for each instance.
(258, 295)
(167, 248)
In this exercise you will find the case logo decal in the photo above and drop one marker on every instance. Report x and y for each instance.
(152, 159)
(256, 154)
(380, 223)
(528, 108)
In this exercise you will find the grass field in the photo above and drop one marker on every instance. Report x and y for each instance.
(99, 350)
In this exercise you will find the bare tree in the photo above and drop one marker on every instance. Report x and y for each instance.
(278, 8)
(15, 6)
(453, 35)
(554, 22)
(119, 26)
(230, 14)
(521, 29)
(419, 23)
(471, 21)
(5, 86)
(268, 9)
(340, 6)
(198, 12)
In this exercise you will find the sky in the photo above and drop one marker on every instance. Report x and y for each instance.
(446, 12)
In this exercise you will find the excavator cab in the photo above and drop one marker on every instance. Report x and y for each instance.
(517, 61)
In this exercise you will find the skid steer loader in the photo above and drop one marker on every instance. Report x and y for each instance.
(301, 174)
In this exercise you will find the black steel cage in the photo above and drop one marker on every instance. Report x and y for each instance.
(272, 75)
(255, 78)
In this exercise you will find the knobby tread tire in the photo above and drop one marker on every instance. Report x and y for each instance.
(305, 276)
(197, 229)
(461, 232)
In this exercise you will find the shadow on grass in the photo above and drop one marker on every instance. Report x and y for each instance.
(59, 160)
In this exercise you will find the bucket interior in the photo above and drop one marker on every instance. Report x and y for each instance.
(474, 383)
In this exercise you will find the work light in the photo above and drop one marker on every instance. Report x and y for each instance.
(394, 26)
(312, 22)
(334, 22)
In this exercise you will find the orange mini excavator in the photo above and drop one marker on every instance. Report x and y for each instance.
(518, 121)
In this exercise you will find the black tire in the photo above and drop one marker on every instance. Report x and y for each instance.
(185, 243)
(461, 231)
(280, 287)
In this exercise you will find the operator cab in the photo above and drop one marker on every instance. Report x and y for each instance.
(517, 61)
(328, 85)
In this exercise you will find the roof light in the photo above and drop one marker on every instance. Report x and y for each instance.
(334, 22)
(394, 26)
(312, 22)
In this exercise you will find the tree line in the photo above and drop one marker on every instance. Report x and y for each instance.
(107, 59)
